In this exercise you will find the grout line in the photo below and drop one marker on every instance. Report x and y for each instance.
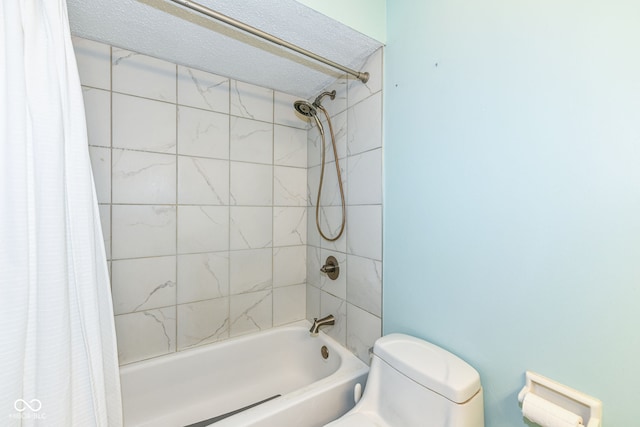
(177, 124)
(229, 207)
(110, 255)
(132, 95)
(273, 201)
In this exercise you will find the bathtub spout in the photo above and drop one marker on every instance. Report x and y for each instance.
(317, 323)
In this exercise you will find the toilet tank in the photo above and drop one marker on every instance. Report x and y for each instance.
(415, 383)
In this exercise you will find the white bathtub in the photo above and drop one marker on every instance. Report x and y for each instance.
(195, 385)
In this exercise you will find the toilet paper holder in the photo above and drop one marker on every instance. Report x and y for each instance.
(589, 408)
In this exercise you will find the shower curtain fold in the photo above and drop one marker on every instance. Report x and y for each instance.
(58, 355)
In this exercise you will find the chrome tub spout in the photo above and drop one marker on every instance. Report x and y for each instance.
(317, 323)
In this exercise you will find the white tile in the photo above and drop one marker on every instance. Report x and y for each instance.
(250, 270)
(339, 123)
(289, 146)
(315, 141)
(101, 168)
(313, 266)
(251, 227)
(289, 186)
(202, 322)
(251, 102)
(365, 125)
(284, 113)
(314, 145)
(105, 223)
(203, 90)
(203, 276)
(94, 62)
(364, 284)
(143, 231)
(143, 178)
(203, 133)
(146, 334)
(365, 178)
(97, 107)
(331, 222)
(289, 265)
(142, 284)
(337, 287)
(251, 184)
(365, 231)
(330, 304)
(330, 195)
(203, 229)
(203, 181)
(313, 237)
(289, 226)
(357, 90)
(363, 331)
(313, 182)
(143, 75)
(251, 140)
(143, 124)
(289, 304)
(251, 312)
(313, 302)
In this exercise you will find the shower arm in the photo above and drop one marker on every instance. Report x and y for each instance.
(362, 76)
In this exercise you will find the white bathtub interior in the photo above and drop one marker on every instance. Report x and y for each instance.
(199, 384)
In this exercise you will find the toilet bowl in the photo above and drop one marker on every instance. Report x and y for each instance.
(413, 383)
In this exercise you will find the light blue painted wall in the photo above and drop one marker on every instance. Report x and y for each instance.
(366, 16)
(512, 192)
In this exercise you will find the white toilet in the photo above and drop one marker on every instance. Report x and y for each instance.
(413, 383)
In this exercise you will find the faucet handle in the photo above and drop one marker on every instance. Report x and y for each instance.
(331, 268)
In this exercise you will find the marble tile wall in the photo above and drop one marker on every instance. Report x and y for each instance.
(201, 182)
(355, 298)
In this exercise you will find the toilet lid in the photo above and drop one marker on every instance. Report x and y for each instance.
(429, 365)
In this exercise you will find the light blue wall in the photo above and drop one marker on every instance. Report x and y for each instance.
(512, 192)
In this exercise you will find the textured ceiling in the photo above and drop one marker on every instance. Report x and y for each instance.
(165, 30)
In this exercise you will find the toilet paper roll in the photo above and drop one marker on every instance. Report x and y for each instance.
(547, 414)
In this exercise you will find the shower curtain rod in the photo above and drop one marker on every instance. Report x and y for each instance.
(363, 77)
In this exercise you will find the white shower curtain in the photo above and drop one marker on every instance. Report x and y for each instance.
(58, 357)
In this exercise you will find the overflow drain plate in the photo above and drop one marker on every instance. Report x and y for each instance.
(324, 351)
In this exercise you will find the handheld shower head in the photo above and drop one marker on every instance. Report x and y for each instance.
(304, 108)
(310, 109)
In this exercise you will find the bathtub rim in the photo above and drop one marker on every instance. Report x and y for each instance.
(177, 355)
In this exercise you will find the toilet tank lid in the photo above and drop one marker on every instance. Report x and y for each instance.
(429, 365)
